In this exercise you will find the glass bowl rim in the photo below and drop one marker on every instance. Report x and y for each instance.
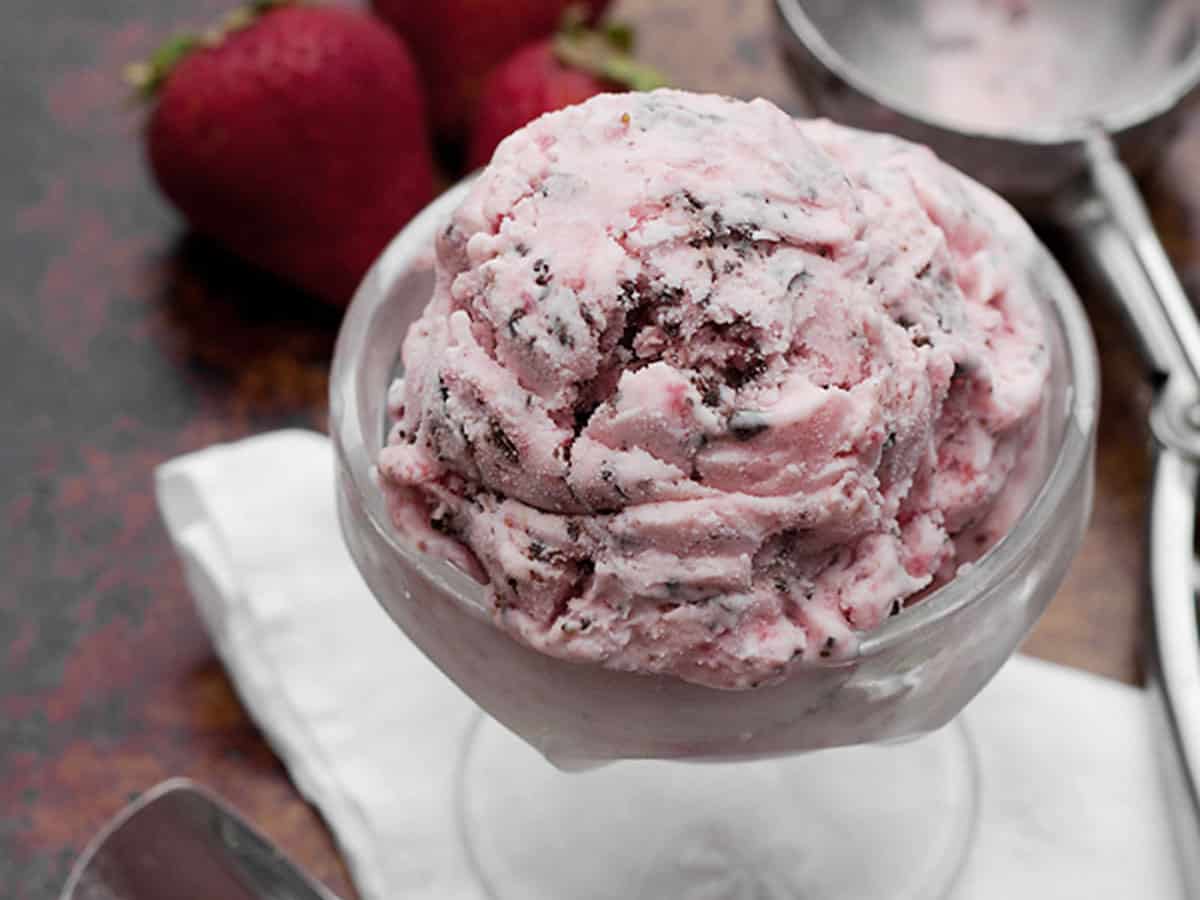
(1072, 449)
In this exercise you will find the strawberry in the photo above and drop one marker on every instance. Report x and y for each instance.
(457, 42)
(295, 136)
(550, 74)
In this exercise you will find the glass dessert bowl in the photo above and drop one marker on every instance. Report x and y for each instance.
(775, 818)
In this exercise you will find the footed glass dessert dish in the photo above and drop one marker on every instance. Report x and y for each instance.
(848, 778)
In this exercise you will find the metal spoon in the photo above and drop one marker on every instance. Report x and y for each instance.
(177, 841)
(1125, 71)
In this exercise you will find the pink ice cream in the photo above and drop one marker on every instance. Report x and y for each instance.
(706, 390)
(1015, 64)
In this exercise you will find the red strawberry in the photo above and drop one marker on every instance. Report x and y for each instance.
(294, 135)
(457, 42)
(550, 74)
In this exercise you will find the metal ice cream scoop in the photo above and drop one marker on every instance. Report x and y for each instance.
(180, 842)
(1042, 100)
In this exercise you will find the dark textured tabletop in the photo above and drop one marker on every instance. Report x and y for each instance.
(123, 342)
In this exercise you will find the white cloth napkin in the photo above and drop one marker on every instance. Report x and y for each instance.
(1071, 799)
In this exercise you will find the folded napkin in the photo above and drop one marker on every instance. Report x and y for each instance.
(1072, 804)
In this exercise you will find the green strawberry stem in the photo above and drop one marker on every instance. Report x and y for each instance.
(605, 54)
(148, 76)
(620, 35)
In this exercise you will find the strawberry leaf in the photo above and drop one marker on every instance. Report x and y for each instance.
(147, 77)
(620, 35)
(605, 55)
(258, 7)
(628, 71)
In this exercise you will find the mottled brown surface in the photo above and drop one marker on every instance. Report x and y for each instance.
(125, 343)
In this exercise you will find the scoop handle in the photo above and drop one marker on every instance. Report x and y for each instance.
(1114, 224)
(178, 841)
(1111, 224)
(1173, 653)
